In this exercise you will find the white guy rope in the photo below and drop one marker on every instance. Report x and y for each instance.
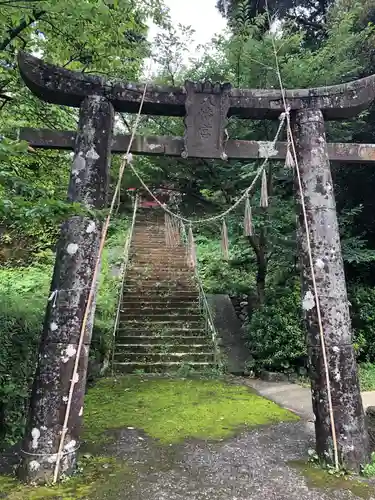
(124, 266)
(308, 242)
(92, 290)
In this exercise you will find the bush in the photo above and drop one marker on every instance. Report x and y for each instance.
(24, 293)
(275, 334)
(362, 300)
(218, 275)
(276, 337)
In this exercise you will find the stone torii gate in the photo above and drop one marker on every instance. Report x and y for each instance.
(205, 108)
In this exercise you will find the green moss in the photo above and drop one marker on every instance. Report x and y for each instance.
(317, 477)
(172, 410)
(91, 483)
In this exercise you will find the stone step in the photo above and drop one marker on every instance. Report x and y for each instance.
(161, 253)
(157, 297)
(167, 331)
(152, 229)
(147, 258)
(165, 280)
(161, 327)
(162, 348)
(149, 241)
(144, 255)
(159, 281)
(157, 317)
(160, 263)
(157, 289)
(159, 307)
(150, 274)
(159, 367)
(165, 339)
(163, 306)
(167, 323)
(146, 357)
(171, 295)
(151, 301)
(171, 252)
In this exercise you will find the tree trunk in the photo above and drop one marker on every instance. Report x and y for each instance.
(317, 191)
(261, 275)
(76, 257)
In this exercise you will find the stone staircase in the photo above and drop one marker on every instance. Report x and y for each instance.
(161, 326)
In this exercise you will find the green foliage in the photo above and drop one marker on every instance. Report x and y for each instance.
(369, 469)
(367, 376)
(93, 36)
(275, 334)
(326, 479)
(24, 293)
(362, 299)
(219, 276)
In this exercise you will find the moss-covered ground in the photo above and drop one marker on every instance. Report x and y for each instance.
(172, 410)
(316, 477)
(96, 477)
(168, 410)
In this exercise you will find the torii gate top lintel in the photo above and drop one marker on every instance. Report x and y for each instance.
(62, 86)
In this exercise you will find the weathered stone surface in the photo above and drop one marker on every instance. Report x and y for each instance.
(347, 405)
(49, 400)
(61, 86)
(327, 260)
(228, 327)
(207, 107)
(273, 376)
(174, 146)
(76, 257)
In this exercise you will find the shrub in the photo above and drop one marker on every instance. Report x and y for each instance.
(276, 337)
(24, 293)
(218, 275)
(275, 334)
(362, 300)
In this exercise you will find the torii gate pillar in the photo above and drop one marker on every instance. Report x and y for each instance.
(76, 258)
(324, 240)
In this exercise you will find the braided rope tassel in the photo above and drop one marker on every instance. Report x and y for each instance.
(225, 241)
(175, 232)
(192, 252)
(264, 191)
(248, 219)
(183, 234)
(167, 225)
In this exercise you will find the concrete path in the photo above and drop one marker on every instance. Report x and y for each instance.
(295, 397)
